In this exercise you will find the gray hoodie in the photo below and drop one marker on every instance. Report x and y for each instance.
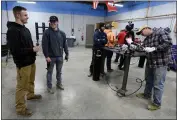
(53, 43)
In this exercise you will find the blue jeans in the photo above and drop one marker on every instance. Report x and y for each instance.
(59, 64)
(155, 79)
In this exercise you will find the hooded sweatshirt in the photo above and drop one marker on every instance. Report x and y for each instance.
(53, 43)
(21, 45)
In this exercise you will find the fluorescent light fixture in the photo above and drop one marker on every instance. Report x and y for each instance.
(117, 5)
(27, 2)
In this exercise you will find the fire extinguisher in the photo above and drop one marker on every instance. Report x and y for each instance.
(82, 37)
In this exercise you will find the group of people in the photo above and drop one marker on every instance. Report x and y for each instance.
(105, 37)
(157, 45)
(24, 55)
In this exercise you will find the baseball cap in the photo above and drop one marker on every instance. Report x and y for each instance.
(141, 28)
(109, 26)
(53, 19)
(101, 25)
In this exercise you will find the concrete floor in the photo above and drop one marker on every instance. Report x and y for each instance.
(84, 98)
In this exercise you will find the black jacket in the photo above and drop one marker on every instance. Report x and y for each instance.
(99, 39)
(21, 45)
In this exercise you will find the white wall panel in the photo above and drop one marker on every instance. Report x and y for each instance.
(65, 23)
(139, 13)
(168, 8)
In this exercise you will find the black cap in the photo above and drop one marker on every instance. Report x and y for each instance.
(101, 25)
(53, 19)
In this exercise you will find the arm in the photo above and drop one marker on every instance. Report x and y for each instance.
(45, 42)
(165, 41)
(65, 45)
(96, 39)
(112, 37)
(14, 42)
(106, 40)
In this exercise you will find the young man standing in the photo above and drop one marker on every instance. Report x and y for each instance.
(157, 44)
(24, 56)
(53, 43)
(111, 43)
(121, 38)
(99, 41)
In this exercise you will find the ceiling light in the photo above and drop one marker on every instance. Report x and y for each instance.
(28, 2)
(117, 5)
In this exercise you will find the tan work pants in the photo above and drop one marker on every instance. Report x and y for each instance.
(25, 86)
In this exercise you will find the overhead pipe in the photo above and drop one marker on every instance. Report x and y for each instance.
(147, 12)
(147, 18)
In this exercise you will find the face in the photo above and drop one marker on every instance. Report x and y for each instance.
(102, 28)
(22, 16)
(146, 32)
(54, 24)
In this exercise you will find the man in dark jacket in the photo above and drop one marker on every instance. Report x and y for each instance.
(53, 43)
(24, 56)
(99, 41)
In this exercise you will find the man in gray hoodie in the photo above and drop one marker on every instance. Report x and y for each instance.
(53, 44)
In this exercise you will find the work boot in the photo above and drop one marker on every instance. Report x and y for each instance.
(50, 90)
(153, 107)
(35, 97)
(110, 70)
(60, 86)
(143, 96)
(26, 113)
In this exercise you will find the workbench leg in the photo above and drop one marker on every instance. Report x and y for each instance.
(123, 90)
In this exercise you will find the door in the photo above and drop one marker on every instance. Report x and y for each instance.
(89, 35)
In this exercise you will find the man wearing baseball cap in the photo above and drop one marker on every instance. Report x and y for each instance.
(157, 45)
(53, 44)
(111, 43)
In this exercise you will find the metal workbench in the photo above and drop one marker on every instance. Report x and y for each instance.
(128, 55)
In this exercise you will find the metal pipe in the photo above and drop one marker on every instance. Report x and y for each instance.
(150, 17)
(147, 12)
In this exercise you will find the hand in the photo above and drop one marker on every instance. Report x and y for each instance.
(48, 59)
(36, 48)
(124, 47)
(133, 46)
(149, 49)
(129, 40)
(66, 58)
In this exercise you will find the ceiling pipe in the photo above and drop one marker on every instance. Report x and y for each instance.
(145, 18)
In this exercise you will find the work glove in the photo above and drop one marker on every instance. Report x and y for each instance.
(66, 58)
(124, 47)
(129, 40)
(132, 46)
(149, 49)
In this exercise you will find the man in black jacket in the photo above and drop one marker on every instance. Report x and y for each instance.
(53, 44)
(99, 41)
(24, 56)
